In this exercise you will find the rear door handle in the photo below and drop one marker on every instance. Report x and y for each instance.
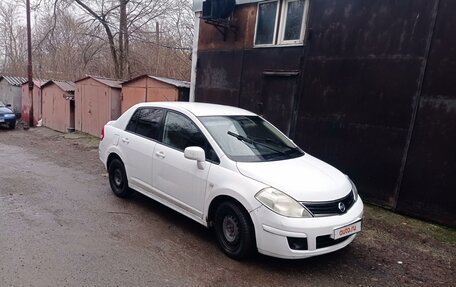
(126, 140)
(160, 154)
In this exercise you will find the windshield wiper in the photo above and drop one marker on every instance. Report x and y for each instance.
(276, 143)
(252, 141)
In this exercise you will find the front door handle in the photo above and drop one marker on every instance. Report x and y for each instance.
(126, 140)
(160, 154)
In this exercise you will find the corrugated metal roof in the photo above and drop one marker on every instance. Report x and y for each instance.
(108, 82)
(40, 83)
(37, 82)
(14, 81)
(169, 81)
(66, 86)
(174, 82)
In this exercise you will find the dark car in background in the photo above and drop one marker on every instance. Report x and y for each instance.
(7, 116)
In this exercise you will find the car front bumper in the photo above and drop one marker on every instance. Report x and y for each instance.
(274, 231)
(7, 120)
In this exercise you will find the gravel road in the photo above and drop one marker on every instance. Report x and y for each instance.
(60, 225)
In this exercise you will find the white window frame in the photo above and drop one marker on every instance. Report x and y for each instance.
(283, 21)
(274, 40)
(280, 23)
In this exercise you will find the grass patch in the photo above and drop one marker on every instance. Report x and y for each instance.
(439, 232)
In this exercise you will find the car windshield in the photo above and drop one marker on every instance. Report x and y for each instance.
(250, 139)
(2, 105)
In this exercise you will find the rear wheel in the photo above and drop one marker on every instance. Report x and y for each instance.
(234, 230)
(118, 179)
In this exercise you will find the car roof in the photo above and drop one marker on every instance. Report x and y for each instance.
(200, 109)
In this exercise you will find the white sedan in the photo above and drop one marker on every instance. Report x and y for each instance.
(231, 170)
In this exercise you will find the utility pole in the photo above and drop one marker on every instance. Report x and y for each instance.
(29, 67)
(157, 39)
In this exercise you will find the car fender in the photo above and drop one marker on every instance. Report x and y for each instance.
(224, 182)
(114, 150)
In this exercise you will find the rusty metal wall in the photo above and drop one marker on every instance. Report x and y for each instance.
(361, 80)
(146, 89)
(96, 104)
(133, 93)
(363, 71)
(26, 103)
(158, 91)
(428, 189)
(56, 109)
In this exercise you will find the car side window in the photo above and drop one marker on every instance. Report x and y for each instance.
(146, 122)
(180, 132)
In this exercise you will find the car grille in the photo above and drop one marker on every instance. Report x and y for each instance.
(326, 241)
(330, 207)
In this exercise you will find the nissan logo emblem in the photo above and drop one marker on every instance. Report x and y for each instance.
(341, 206)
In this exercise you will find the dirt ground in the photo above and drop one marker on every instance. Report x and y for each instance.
(60, 225)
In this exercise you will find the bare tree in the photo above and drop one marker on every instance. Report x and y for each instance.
(13, 51)
(111, 38)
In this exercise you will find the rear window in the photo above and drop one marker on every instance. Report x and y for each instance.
(146, 122)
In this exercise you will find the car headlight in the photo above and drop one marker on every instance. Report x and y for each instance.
(354, 189)
(9, 115)
(281, 203)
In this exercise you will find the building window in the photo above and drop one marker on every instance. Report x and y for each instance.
(281, 22)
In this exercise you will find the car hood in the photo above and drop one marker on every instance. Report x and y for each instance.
(305, 178)
(5, 111)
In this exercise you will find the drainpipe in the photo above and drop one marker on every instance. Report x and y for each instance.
(194, 57)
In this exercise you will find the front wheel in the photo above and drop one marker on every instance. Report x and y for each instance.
(234, 230)
(12, 125)
(118, 179)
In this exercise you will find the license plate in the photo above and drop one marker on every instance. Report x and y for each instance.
(346, 230)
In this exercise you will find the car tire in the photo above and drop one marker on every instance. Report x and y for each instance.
(12, 126)
(118, 179)
(234, 230)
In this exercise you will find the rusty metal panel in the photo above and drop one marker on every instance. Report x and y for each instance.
(279, 93)
(78, 94)
(258, 61)
(115, 104)
(131, 96)
(429, 186)
(219, 76)
(37, 104)
(361, 80)
(243, 22)
(372, 29)
(56, 109)
(157, 91)
(149, 89)
(132, 93)
(26, 104)
(355, 115)
(97, 102)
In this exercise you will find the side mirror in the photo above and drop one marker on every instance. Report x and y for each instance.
(8, 105)
(196, 153)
